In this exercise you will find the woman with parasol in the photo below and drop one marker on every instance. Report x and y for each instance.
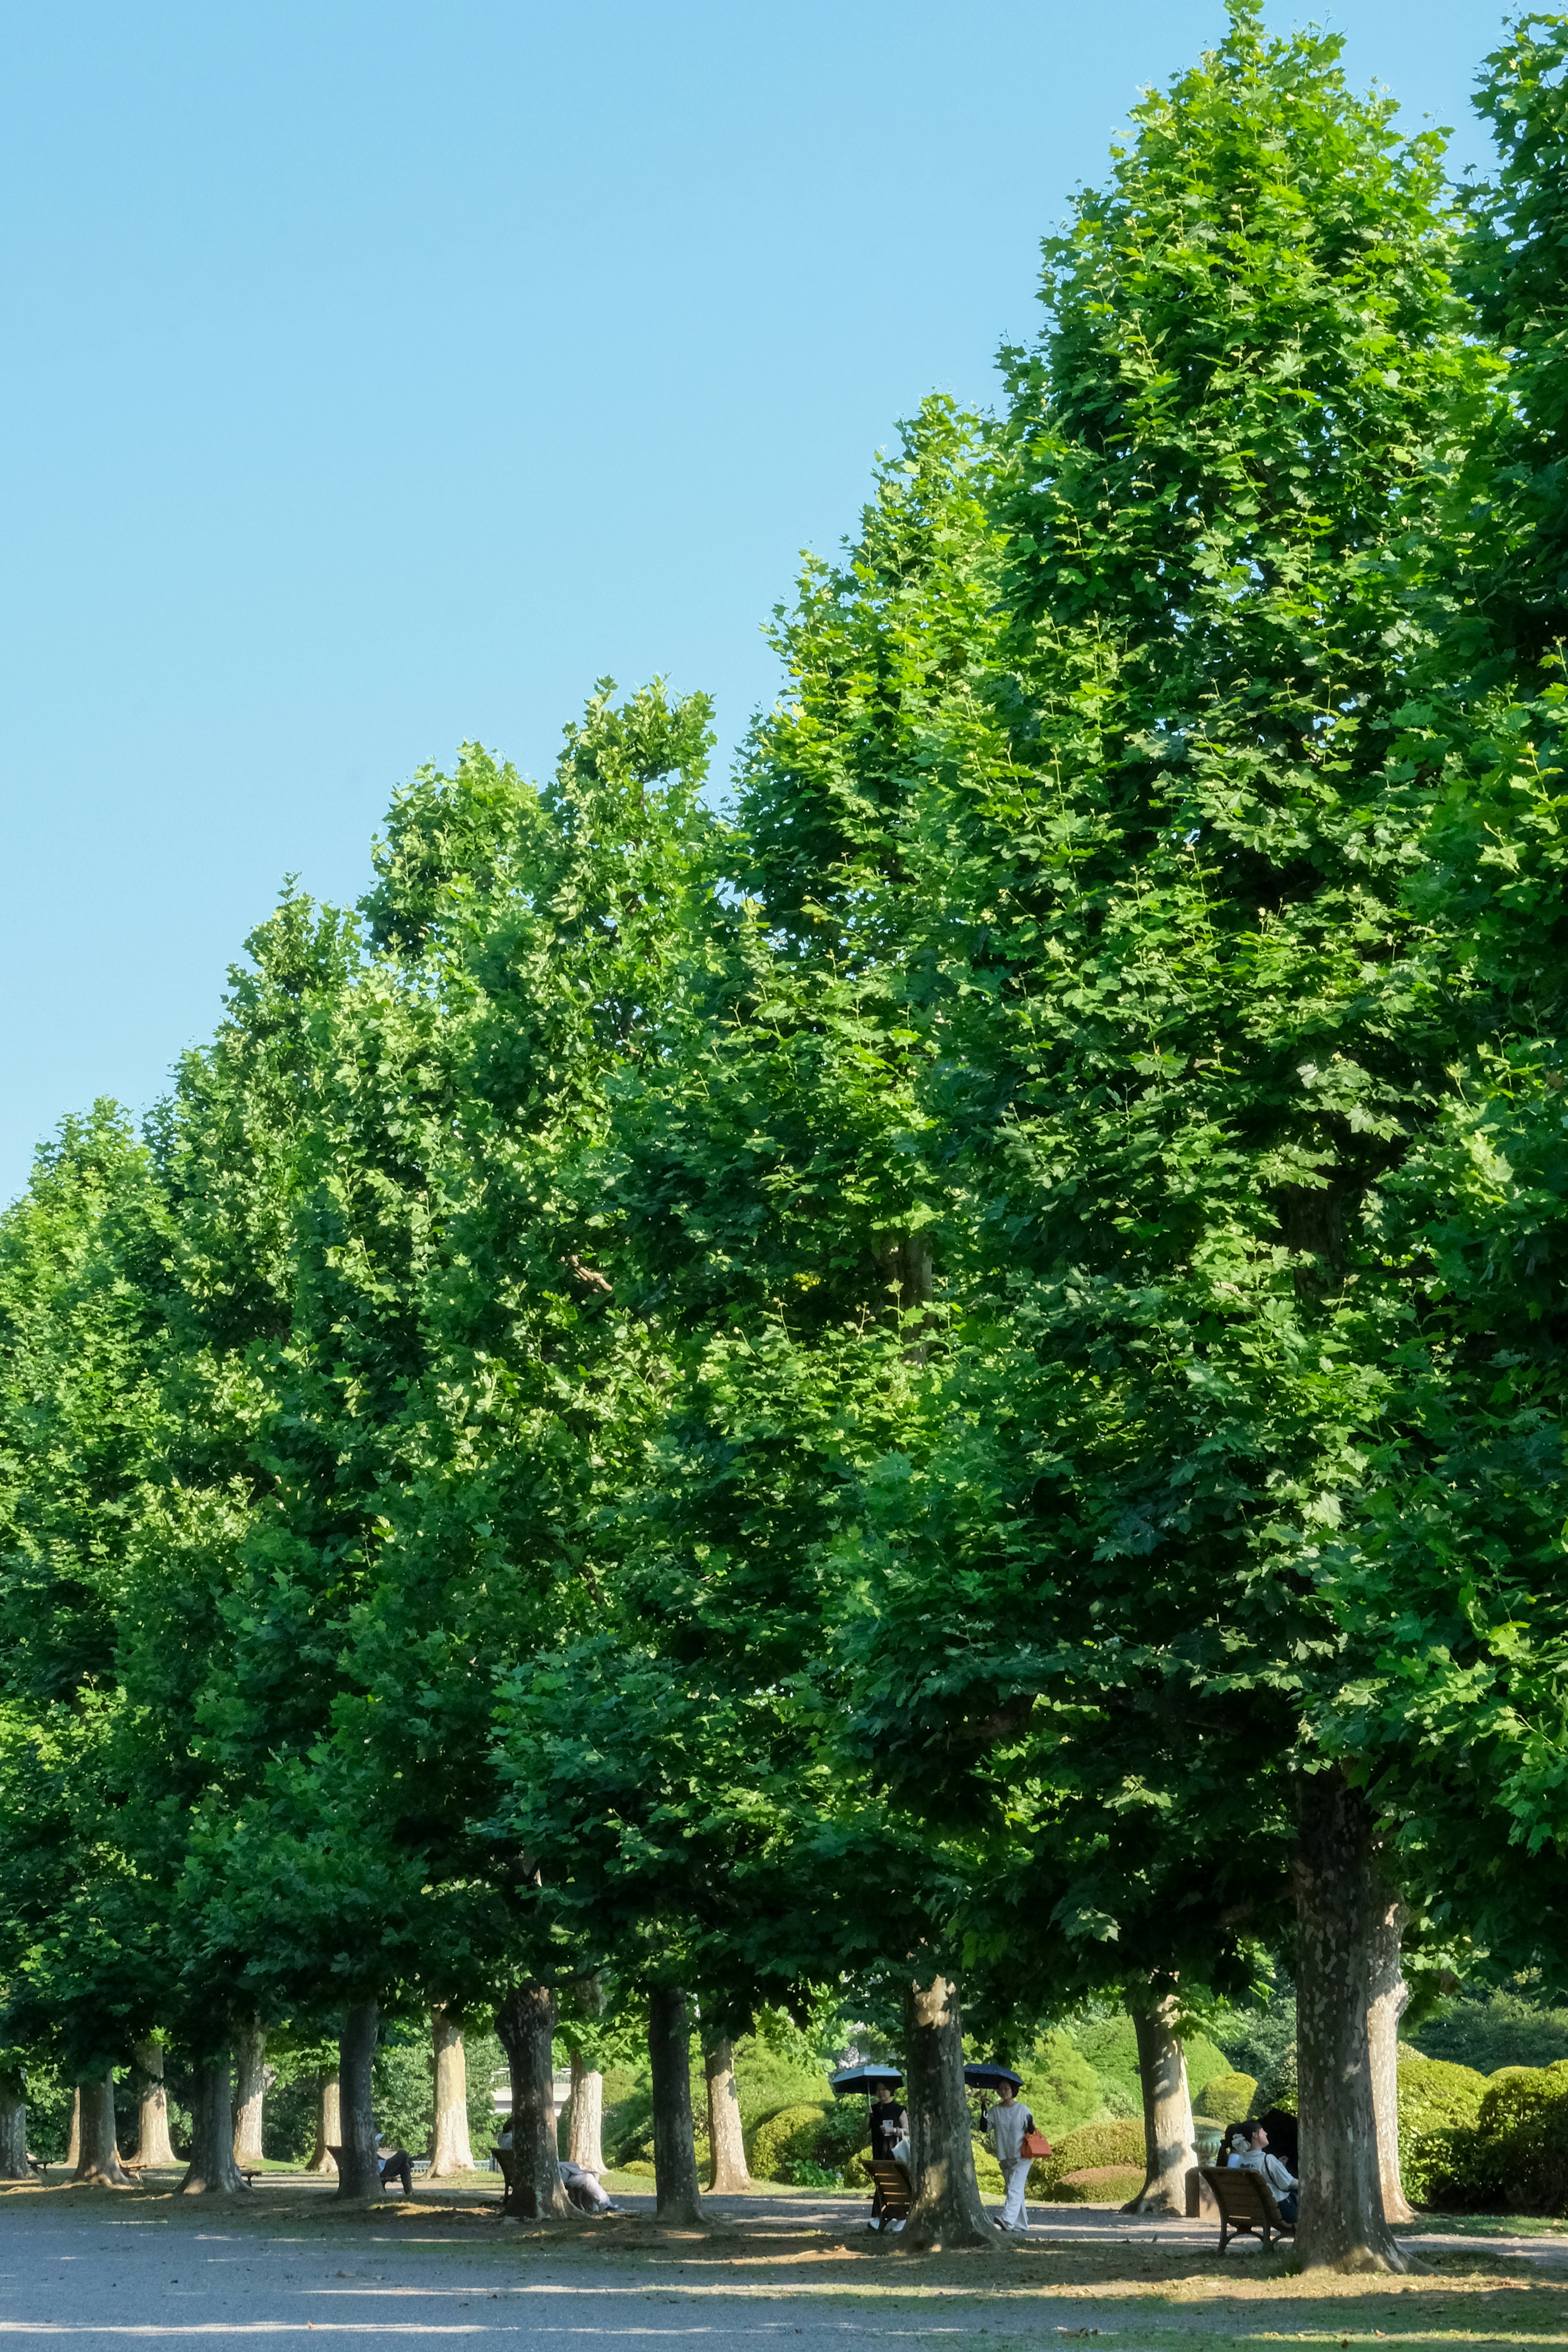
(1010, 2128)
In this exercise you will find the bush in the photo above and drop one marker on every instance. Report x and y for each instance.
(1277, 2089)
(1101, 2184)
(1090, 2148)
(638, 2169)
(987, 2171)
(856, 2173)
(1513, 2159)
(844, 2132)
(1224, 2096)
(789, 2137)
(1061, 2088)
(801, 2173)
(1434, 2092)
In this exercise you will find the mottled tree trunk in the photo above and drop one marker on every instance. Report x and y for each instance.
(13, 2134)
(450, 2148)
(585, 2145)
(525, 2022)
(1387, 1994)
(212, 2171)
(73, 2146)
(1337, 1903)
(677, 2196)
(359, 2173)
(329, 2124)
(947, 2208)
(250, 2090)
(98, 2157)
(153, 2145)
(1169, 2151)
(726, 2142)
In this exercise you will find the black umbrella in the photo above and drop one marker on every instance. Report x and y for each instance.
(856, 2079)
(991, 2078)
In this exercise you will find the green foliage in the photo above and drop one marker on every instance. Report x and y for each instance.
(789, 2137)
(1225, 2096)
(1061, 2087)
(1254, 2039)
(1515, 2157)
(989, 2176)
(1090, 2148)
(1505, 2027)
(1115, 2184)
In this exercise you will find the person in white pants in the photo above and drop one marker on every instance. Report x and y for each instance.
(1007, 2123)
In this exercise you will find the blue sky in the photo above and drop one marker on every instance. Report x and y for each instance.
(377, 376)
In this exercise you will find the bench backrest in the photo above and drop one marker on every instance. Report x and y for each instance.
(1243, 2194)
(894, 2183)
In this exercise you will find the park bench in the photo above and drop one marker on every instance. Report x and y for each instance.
(892, 2182)
(1246, 2205)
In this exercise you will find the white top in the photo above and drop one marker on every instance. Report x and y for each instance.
(1007, 2126)
(1258, 2160)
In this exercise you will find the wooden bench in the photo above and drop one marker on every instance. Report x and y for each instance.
(893, 2193)
(1246, 2203)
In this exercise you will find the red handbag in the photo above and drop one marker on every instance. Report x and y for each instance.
(1034, 2143)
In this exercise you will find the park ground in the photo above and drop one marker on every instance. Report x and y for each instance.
(285, 2259)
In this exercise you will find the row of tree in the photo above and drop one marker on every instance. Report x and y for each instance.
(962, 1368)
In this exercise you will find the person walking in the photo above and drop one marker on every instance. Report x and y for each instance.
(1006, 2123)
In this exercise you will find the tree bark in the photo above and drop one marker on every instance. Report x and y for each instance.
(73, 2146)
(98, 2159)
(329, 2124)
(212, 2171)
(525, 2022)
(585, 2145)
(13, 2134)
(676, 2197)
(1169, 2150)
(250, 2090)
(450, 2149)
(1341, 2223)
(153, 2145)
(359, 2174)
(723, 2133)
(947, 2208)
(1387, 1994)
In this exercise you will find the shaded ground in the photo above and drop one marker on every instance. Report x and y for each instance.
(287, 2260)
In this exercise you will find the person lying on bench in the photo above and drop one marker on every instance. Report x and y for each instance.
(1257, 2159)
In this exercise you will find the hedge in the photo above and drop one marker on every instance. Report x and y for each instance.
(1101, 2184)
(788, 2136)
(1224, 2098)
(1089, 2150)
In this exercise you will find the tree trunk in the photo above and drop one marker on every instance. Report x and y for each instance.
(675, 2192)
(98, 2159)
(153, 2145)
(212, 2171)
(451, 2151)
(250, 2090)
(1169, 2151)
(525, 2022)
(723, 2135)
(13, 2134)
(73, 2146)
(947, 2208)
(359, 2174)
(329, 2124)
(1387, 1994)
(586, 2144)
(1337, 1901)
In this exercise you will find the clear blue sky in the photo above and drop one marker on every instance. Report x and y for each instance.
(376, 375)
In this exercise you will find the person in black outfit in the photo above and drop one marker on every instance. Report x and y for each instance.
(394, 2165)
(888, 2124)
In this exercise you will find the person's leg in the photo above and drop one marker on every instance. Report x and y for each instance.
(1014, 2211)
(1288, 2204)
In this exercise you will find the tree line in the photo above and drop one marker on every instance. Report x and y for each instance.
(953, 1375)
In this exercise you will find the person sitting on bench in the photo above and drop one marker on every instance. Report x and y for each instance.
(394, 2165)
(584, 2187)
(1286, 2189)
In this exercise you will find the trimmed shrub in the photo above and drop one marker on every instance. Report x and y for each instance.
(1090, 2148)
(856, 2173)
(1226, 2094)
(1434, 2092)
(638, 2169)
(987, 2171)
(789, 2137)
(1513, 2159)
(1101, 2184)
